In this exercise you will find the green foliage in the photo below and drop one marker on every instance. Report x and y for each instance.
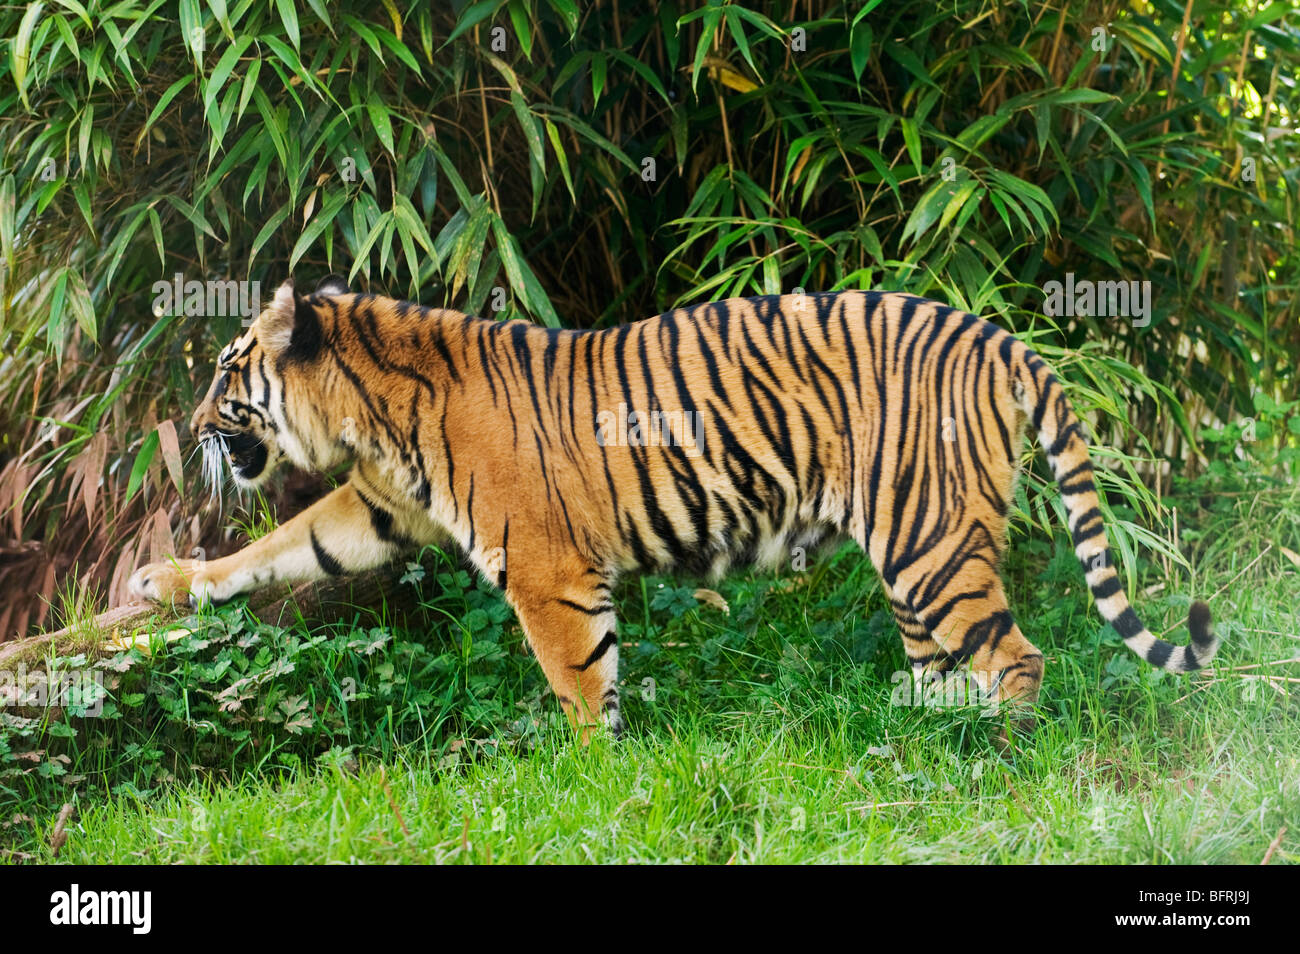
(234, 693)
(604, 165)
(1250, 449)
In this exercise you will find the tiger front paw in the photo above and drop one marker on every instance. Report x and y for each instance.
(172, 582)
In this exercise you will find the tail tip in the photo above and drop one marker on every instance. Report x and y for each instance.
(1199, 625)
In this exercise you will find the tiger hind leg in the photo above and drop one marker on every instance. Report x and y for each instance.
(969, 619)
(923, 653)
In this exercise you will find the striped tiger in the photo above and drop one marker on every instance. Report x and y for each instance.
(707, 437)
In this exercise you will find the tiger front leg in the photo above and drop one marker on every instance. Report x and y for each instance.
(570, 624)
(347, 531)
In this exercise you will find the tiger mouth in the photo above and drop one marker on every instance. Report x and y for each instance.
(244, 452)
(247, 456)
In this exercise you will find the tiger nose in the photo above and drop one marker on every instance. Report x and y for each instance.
(196, 424)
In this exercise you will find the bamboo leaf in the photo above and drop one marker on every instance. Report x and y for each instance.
(164, 101)
(21, 49)
(473, 15)
(221, 72)
(83, 310)
(521, 277)
(170, 446)
(383, 126)
(289, 17)
(324, 219)
(143, 458)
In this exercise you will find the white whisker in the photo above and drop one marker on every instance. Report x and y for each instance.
(215, 454)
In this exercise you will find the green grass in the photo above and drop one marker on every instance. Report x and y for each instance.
(770, 737)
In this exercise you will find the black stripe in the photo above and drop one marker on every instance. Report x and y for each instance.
(440, 345)
(1077, 487)
(469, 514)
(1097, 561)
(1160, 653)
(600, 650)
(1063, 437)
(1106, 588)
(590, 611)
(704, 351)
(1127, 624)
(1040, 406)
(934, 615)
(306, 339)
(505, 543)
(327, 562)
(1073, 472)
(1092, 514)
(1088, 531)
(524, 357)
(486, 362)
(382, 522)
(1001, 625)
(451, 464)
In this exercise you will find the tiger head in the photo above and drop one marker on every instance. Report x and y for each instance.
(244, 419)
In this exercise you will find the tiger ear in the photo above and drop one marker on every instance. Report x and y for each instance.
(333, 285)
(275, 326)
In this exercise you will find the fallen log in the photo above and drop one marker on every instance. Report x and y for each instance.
(374, 596)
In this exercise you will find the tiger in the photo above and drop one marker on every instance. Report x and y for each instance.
(709, 437)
